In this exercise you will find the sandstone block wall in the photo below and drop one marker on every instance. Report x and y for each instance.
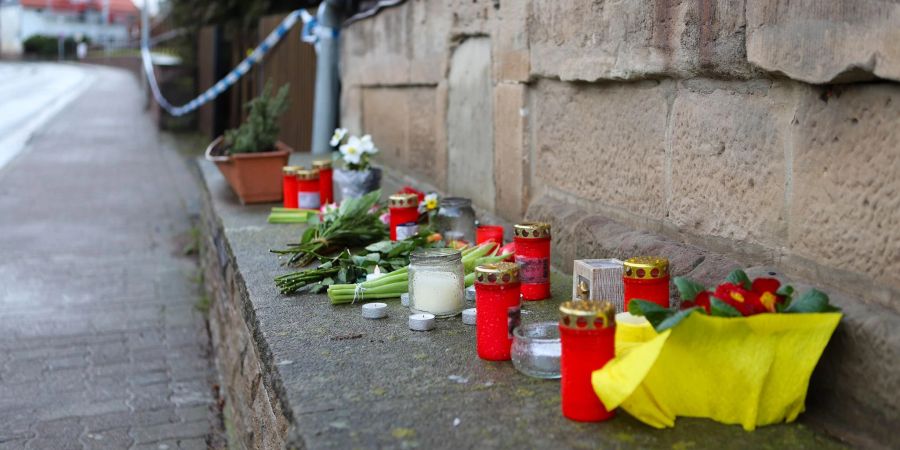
(768, 131)
(254, 416)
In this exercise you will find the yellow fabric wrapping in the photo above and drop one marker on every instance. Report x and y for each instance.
(750, 371)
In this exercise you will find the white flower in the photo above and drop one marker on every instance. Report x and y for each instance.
(367, 145)
(352, 150)
(338, 136)
(431, 202)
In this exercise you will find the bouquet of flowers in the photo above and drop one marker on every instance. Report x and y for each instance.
(355, 151)
(741, 353)
(357, 177)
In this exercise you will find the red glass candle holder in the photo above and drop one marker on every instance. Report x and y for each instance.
(403, 208)
(486, 233)
(308, 192)
(587, 334)
(289, 186)
(498, 309)
(533, 256)
(646, 278)
(326, 185)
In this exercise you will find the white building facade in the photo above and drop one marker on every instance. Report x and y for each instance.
(110, 23)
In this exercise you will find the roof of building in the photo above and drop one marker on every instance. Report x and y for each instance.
(115, 6)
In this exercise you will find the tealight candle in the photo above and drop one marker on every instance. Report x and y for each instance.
(421, 322)
(374, 310)
(376, 274)
(469, 316)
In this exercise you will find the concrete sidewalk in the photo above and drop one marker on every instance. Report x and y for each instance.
(101, 345)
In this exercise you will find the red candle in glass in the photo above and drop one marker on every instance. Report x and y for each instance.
(587, 335)
(533, 256)
(498, 309)
(403, 208)
(485, 233)
(326, 185)
(646, 278)
(289, 186)
(308, 193)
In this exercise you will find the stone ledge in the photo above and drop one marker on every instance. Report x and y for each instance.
(301, 373)
(853, 390)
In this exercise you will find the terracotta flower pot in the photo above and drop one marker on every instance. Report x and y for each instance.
(254, 177)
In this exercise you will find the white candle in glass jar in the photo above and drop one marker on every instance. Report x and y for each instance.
(438, 293)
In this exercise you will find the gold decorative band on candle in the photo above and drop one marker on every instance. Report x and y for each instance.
(646, 267)
(532, 230)
(321, 164)
(587, 315)
(499, 273)
(308, 174)
(403, 201)
(290, 170)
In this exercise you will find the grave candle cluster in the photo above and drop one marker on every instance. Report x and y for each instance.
(533, 257)
(404, 212)
(308, 191)
(499, 308)
(326, 185)
(289, 186)
(646, 278)
(587, 331)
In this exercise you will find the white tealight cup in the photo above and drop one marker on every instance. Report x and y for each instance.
(374, 310)
(470, 293)
(421, 322)
(468, 316)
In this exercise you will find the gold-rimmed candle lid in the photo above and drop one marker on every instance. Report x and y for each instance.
(646, 267)
(321, 164)
(290, 170)
(403, 201)
(587, 314)
(307, 174)
(532, 230)
(497, 273)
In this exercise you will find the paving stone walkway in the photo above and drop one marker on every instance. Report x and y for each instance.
(101, 343)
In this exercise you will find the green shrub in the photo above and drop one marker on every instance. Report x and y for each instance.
(47, 46)
(260, 131)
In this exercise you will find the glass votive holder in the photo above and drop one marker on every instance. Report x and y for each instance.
(536, 349)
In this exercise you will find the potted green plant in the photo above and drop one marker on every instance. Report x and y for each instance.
(358, 177)
(251, 157)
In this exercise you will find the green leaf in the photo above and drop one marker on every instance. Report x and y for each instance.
(675, 319)
(719, 308)
(308, 235)
(327, 281)
(811, 301)
(654, 313)
(374, 257)
(381, 246)
(740, 278)
(688, 288)
(785, 290)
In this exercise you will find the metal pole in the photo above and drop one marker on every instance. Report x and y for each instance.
(145, 42)
(325, 113)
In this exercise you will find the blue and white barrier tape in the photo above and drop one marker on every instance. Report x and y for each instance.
(311, 33)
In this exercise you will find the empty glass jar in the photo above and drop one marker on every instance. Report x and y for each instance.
(536, 349)
(456, 217)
